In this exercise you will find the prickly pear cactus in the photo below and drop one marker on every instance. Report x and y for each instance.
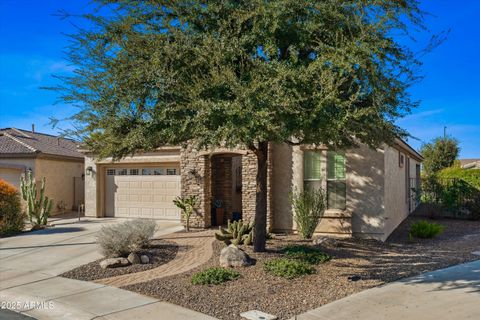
(236, 233)
(39, 205)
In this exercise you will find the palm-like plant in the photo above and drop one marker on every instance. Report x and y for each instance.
(187, 205)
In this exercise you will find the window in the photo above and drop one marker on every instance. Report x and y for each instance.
(401, 159)
(171, 172)
(110, 172)
(312, 173)
(146, 172)
(134, 172)
(122, 172)
(158, 172)
(336, 181)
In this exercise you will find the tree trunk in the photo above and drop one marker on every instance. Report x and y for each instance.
(260, 232)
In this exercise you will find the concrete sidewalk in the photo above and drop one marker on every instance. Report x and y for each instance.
(452, 293)
(30, 264)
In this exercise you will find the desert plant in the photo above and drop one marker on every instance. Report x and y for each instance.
(309, 207)
(214, 276)
(119, 240)
(288, 268)
(187, 205)
(237, 233)
(306, 254)
(12, 219)
(425, 230)
(39, 205)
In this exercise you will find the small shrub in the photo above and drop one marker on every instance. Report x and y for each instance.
(309, 207)
(214, 276)
(12, 219)
(425, 230)
(187, 205)
(121, 239)
(288, 268)
(306, 254)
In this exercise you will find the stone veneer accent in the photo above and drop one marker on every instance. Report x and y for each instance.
(196, 179)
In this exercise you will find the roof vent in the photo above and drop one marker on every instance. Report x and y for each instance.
(33, 127)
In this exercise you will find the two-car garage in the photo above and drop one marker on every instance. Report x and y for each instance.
(136, 191)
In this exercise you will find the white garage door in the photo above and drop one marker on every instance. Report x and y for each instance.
(142, 196)
(12, 176)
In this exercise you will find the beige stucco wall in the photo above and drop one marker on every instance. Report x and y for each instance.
(95, 181)
(396, 200)
(59, 176)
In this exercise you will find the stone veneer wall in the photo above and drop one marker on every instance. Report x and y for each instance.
(249, 187)
(196, 180)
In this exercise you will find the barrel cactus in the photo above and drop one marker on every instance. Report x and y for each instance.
(237, 233)
(38, 205)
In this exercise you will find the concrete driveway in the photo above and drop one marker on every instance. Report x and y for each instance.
(452, 293)
(31, 262)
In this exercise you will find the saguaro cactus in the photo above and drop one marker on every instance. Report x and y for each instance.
(39, 205)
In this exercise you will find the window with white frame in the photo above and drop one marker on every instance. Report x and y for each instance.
(158, 172)
(336, 180)
(147, 172)
(122, 172)
(312, 170)
(171, 172)
(110, 172)
(134, 172)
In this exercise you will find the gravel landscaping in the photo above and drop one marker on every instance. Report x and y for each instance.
(159, 252)
(376, 263)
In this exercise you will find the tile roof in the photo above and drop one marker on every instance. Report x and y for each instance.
(17, 141)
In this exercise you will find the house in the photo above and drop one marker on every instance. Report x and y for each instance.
(470, 163)
(54, 158)
(369, 191)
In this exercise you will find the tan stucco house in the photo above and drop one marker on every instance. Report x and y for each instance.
(369, 191)
(54, 158)
(470, 163)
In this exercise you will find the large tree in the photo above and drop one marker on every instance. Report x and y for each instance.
(439, 154)
(241, 73)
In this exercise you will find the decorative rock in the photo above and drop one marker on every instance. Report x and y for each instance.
(232, 256)
(144, 259)
(326, 241)
(134, 258)
(114, 263)
(257, 315)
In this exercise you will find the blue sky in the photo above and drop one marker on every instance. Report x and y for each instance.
(31, 44)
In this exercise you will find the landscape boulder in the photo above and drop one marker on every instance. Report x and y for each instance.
(134, 258)
(144, 259)
(232, 256)
(114, 263)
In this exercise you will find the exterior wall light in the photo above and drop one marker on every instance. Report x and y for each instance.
(89, 170)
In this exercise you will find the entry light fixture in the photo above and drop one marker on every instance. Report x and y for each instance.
(89, 170)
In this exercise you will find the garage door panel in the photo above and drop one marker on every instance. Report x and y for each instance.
(144, 196)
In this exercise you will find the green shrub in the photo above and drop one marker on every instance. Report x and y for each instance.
(470, 176)
(121, 239)
(306, 254)
(309, 207)
(214, 276)
(288, 268)
(12, 219)
(425, 230)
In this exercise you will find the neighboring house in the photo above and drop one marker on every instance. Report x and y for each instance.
(369, 191)
(54, 158)
(470, 163)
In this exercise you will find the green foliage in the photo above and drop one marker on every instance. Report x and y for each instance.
(470, 176)
(187, 205)
(11, 215)
(309, 207)
(439, 154)
(288, 268)
(240, 73)
(307, 254)
(39, 205)
(214, 276)
(425, 230)
(237, 232)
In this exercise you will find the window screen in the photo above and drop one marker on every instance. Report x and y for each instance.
(312, 170)
(336, 181)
